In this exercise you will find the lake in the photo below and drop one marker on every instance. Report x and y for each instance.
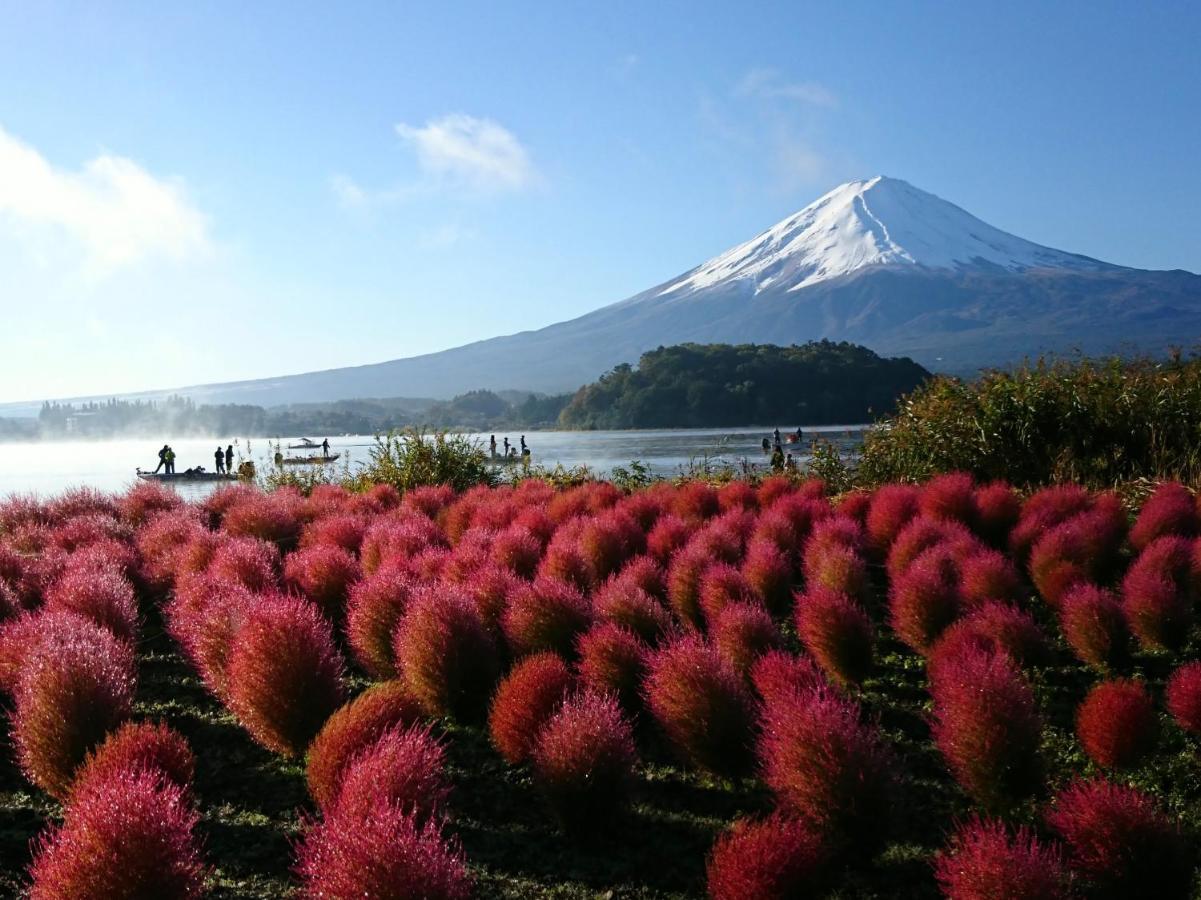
(50, 467)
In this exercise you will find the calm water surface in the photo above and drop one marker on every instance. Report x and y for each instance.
(50, 467)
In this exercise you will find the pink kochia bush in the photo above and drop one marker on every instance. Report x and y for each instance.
(986, 725)
(776, 858)
(625, 603)
(351, 729)
(1183, 696)
(1120, 843)
(891, 509)
(445, 653)
(1116, 723)
(390, 855)
(546, 615)
(404, 767)
(584, 759)
(1157, 593)
(374, 608)
(837, 632)
(769, 574)
(102, 595)
(779, 674)
(826, 765)
(248, 561)
(127, 835)
(950, 496)
(138, 746)
(322, 573)
(998, 508)
(204, 617)
(1094, 626)
(76, 685)
(925, 599)
(984, 859)
(284, 673)
(525, 699)
(701, 704)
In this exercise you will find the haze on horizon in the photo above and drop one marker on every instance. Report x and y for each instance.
(202, 195)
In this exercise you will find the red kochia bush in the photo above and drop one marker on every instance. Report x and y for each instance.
(350, 729)
(998, 627)
(128, 835)
(1170, 510)
(1094, 626)
(925, 599)
(76, 684)
(1116, 723)
(998, 508)
(144, 500)
(102, 595)
(986, 725)
(397, 538)
(138, 746)
(684, 584)
(525, 699)
(722, 585)
(375, 606)
(892, 507)
(624, 603)
(387, 856)
(778, 674)
(204, 617)
(1183, 696)
(612, 660)
(950, 496)
(269, 517)
(1120, 842)
(345, 531)
(668, 535)
(776, 858)
(702, 705)
(518, 550)
(583, 760)
(490, 588)
(428, 500)
(837, 633)
(769, 573)
(921, 534)
(284, 674)
(984, 860)
(546, 615)
(445, 653)
(1156, 594)
(742, 633)
(323, 573)
(837, 568)
(986, 574)
(404, 767)
(855, 504)
(826, 765)
(1043, 510)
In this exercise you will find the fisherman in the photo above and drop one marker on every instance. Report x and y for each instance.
(798, 434)
(776, 437)
(766, 445)
(789, 464)
(506, 446)
(169, 459)
(525, 451)
(325, 447)
(162, 458)
(229, 458)
(492, 447)
(219, 459)
(777, 459)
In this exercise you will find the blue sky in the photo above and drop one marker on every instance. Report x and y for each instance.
(243, 190)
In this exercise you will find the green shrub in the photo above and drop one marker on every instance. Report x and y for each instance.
(412, 458)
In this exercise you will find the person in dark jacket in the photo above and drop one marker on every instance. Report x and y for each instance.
(229, 458)
(162, 457)
(219, 459)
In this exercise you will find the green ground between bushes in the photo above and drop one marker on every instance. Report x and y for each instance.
(252, 802)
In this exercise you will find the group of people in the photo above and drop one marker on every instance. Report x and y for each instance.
(780, 461)
(510, 451)
(166, 460)
(224, 459)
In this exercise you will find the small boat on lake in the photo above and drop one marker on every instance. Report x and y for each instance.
(305, 444)
(499, 459)
(310, 460)
(186, 476)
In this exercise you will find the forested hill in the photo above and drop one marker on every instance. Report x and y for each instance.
(707, 385)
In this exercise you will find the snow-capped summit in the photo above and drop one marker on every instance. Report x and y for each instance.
(878, 222)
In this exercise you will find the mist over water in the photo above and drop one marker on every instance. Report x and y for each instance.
(50, 467)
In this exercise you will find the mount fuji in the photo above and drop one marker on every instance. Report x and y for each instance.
(876, 262)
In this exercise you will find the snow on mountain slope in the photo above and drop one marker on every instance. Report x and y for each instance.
(878, 222)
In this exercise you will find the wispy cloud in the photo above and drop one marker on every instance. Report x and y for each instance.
(118, 213)
(464, 150)
(770, 84)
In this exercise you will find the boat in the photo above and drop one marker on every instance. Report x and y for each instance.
(305, 444)
(513, 459)
(186, 476)
(310, 460)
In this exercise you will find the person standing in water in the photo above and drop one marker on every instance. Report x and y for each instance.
(506, 446)
(492, 447)
(219, 459)
(229, 458)
(525, 451)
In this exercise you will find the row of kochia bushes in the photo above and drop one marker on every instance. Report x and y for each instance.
(570, 621)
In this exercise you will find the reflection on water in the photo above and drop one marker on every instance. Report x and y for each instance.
(50, 467)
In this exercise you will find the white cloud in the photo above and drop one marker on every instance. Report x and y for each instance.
(770, 84)
(119, 213)
(348, 192)
(478, 153)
